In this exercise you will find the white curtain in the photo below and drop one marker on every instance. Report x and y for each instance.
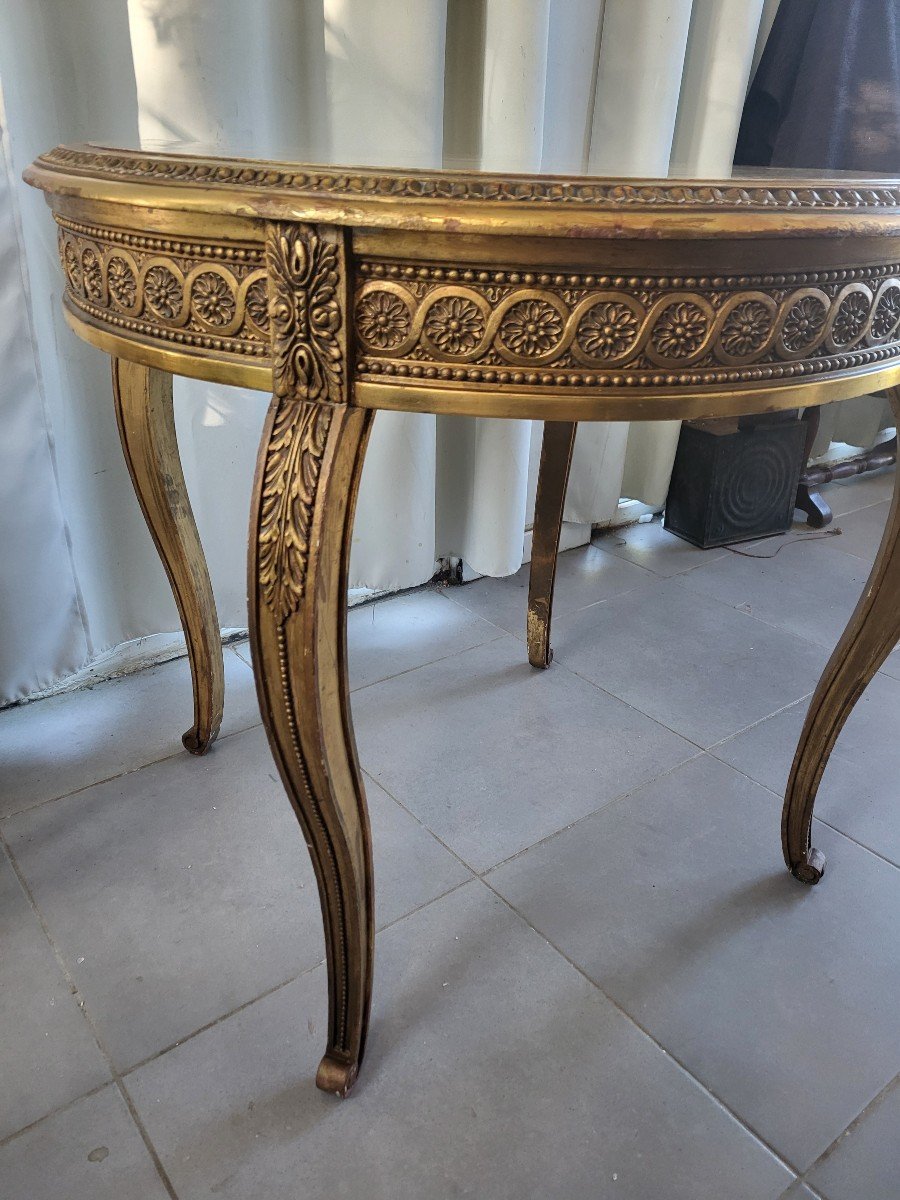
(621, 86)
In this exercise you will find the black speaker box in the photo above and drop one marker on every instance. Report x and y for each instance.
(734, 480)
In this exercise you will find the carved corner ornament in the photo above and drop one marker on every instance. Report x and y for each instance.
(307, 280)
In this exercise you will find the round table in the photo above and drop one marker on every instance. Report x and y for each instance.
(563, 299)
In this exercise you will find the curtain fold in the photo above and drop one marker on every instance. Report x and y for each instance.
(616, 86)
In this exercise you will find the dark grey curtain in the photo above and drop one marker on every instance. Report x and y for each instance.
(827, 90)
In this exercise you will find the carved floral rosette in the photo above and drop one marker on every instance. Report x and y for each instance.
(541, 329)
(207, 296)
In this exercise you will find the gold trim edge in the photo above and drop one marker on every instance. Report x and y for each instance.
(748, 193)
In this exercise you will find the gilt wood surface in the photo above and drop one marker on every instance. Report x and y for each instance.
(342, 290)
(553, 479)
(143, 402)
(870, 636)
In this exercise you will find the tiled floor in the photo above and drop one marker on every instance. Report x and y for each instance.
(594, 977)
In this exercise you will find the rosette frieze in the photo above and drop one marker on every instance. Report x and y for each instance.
(594, 331)
(210, 296)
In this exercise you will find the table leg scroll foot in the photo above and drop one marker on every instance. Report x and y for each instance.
(871, 634)
(810, 868)
(195, 742)
(335, 1076)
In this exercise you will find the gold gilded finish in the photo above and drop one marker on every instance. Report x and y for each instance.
(306, 482)
(209, 295)
(459, 202)
(563, 299)
(871, 634)
(554, 330)
(143, 400)
(553, 479)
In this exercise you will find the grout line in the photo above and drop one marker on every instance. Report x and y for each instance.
(620, 798)
(786, 1194)
(785, 1162)
(248, 661)
(710, 555)
(122, 774)
(54, 1112)
(480, 874)
(821, 820)
(628, 704)
(876, 1100)
(684, 737)
(270, 991)
(753, 724)
(564, 616)
(189, 1037)
(829, 646)
(80, 1001)
(121, 1075)
(501, 633)
(428, 830)
(849, 838)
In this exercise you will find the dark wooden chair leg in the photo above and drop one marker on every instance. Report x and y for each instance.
(553, 479)
(809, 498)
(870, 636)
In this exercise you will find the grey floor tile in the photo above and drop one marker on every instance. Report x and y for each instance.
(55, 746)
(781, 999)
(690, 662)
(494, 1070)
(858, 794)
(586, 575)
(860, 491)
(48, 1054)
(807, 588)
(654, 548)
(396, 635)
(865, 1163)
(89, 1151)
(493, 755)
(861, 531)
(185, 889)
(892, 666)
(403, 632)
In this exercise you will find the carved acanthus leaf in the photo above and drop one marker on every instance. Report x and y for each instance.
(306, 319)
(290, 480)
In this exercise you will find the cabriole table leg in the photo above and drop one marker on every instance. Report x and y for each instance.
(143, 400)
(307, 479)
(870, 636)
(553, 479)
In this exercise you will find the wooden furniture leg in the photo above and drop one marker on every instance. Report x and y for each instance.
(553, 479)
(870, 636)
(143, 400)
(307, 479)
(809, 499)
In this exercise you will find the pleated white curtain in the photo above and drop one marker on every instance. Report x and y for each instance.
(615, 86)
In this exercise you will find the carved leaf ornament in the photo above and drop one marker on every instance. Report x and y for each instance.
(305, 316)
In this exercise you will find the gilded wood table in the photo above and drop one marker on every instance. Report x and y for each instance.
(344, 291)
